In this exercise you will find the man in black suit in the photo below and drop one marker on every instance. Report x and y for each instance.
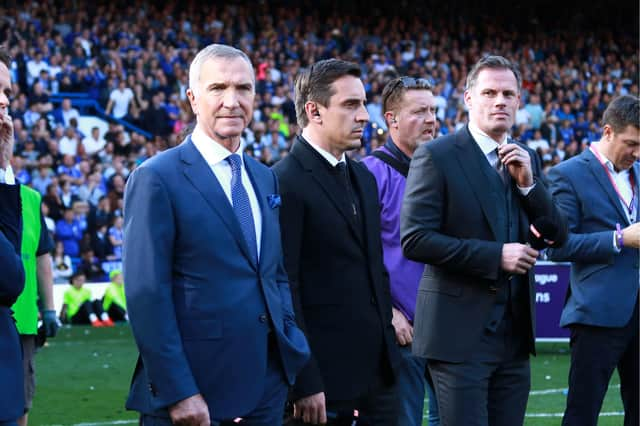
(469, 201)
(330, 224)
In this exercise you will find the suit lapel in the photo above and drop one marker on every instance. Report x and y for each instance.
(485, 182)
(636, 188)
(200, 175)
(321, 174)
(601, 177)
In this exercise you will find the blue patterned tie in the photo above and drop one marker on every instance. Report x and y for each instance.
(241, 205)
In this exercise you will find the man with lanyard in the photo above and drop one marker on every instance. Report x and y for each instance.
(598, 191)
(409, 111)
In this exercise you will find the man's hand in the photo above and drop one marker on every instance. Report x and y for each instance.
(518, 258)
(6, 139)
(631, 235)
(404, 330)
(50, 322)
(192, 411)
(517, 160)
(312, 409)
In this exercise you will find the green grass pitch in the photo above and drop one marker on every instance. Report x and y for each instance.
(83, 376)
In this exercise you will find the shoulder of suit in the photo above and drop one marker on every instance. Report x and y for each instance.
(440, 145)
(572, 166)
(166, 158)
(289, 164)
(359, 166)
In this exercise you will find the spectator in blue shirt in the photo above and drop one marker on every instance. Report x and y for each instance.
(69, 232)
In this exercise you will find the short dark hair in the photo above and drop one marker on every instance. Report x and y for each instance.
(5, 58)
(622, 112)
(395, 89)
(492, 62)
(314, 84)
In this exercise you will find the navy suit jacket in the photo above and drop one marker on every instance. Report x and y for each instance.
(11, 285)
(200, 308)
(604, 283)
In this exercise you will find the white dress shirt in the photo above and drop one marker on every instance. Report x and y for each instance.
(215, 155)
(621, 179)
(488, 146)
(325, 154)
(7, 176)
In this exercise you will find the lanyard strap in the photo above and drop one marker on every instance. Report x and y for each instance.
(613, 182)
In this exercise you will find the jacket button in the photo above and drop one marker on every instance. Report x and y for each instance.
(373, 301)
(262, 318)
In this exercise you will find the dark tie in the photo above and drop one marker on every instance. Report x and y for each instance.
(500, 169)
(241, 205)
(343, 175)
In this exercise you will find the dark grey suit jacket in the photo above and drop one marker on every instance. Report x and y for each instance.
(453, 221)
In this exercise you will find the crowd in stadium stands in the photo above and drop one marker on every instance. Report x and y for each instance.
(131, 60)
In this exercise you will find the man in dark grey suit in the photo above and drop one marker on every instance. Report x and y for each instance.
(469, 200)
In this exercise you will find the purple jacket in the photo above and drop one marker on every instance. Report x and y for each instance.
(404, 274)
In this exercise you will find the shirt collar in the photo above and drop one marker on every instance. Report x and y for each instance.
(7, 176)
(212, 151)
(608, 163)
(325, 154)
(484, 141)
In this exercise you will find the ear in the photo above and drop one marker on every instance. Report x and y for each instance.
(389, 117)
(607, 132)
(192, 101)
(467, 99)
(313, 112)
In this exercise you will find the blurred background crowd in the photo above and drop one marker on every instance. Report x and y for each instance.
(100, 87)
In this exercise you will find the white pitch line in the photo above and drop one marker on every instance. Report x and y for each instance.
(607, 414)
(552, 391)
(114, 422)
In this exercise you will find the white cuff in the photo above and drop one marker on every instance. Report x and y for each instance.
(615, 243)
(527, 190)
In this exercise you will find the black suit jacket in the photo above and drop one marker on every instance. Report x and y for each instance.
(453, 219)
(339, 285)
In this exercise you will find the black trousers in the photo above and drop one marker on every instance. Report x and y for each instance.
(377, 407)
(595, 353)
(116, 313)
(492, 387)
(86, 309)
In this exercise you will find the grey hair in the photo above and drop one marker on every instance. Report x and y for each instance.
(214, 51)
(492, 62)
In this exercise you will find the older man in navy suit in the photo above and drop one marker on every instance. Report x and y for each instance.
(207, 292)
(12, 276)
(598, 190)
